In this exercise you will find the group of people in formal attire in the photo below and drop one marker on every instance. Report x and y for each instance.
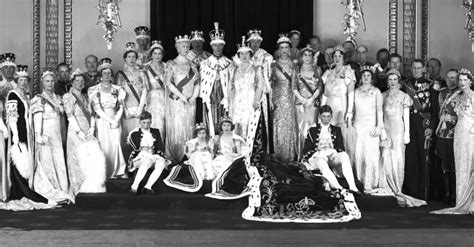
(300, 132)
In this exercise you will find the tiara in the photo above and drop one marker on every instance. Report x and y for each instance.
(197, 35)
(217, 35)
(243, 47)
(283, 38)
(47, 72)
(465, 71)
(182, 38)
(367, 68)
(225, 119)
(393, 72)
(307, 48)
(156, 44)
(7, 59)
(130, 46)
(142, 32)
(340, 48)
(293, 32)
(76, 73)
(104, 63)
(200, 126)
(255, 35)
(22, 70)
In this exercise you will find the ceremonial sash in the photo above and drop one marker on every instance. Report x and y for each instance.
(153, 73)
(55, 108)
(81, 105)
(287, 76)
(129, 84)
(411, 91)
(306, 84)
(183, 82)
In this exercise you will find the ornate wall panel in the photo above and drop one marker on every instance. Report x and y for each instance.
(68, 31)
(425, 29)
(409, 33)
(52, 46)
(36, 45)
(393, 26)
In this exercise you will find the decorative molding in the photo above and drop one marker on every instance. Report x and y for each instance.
(425, 29)
(68, 32)
(36, 47)
(393, 26)
(52, 43)
(409, 33)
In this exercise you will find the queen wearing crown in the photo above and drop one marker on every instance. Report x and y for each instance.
(182, 80)
(156, 98)
(134, 82)
(246, 89)
(142, 34)
(106, 100)
(197, 54)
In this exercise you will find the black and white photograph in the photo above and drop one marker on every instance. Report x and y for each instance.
(236, 123)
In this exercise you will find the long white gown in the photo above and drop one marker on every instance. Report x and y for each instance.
(156, 97)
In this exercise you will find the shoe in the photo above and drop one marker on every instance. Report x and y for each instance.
(147, 191)
(356, 193)
(134, 191)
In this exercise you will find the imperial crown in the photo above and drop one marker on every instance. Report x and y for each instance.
(217, 35)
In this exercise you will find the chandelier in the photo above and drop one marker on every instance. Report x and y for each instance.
(109, 19)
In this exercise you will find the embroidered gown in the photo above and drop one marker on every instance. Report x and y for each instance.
(50, 178)
(336, 90)
(393, 157)
(135, 96)
(156, 97)
(180, 116)
(366, 152)
(84, 157)
(307, 116)
(463, 156)
(243, 90)
(109, 138)
(284, 117)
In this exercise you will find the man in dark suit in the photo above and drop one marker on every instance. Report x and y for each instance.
(148, 152)
(315, 43)
(324, 151)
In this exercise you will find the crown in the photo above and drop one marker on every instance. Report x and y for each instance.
(254, 35)
(47, 72)
(243, 47)
(142, 32)
(367, 68)
(225, 120)
(393, 72)
(340, 48)
(104, 63)
(7, 59)
(75, 73)
(283, 38)
(217, 35)
(197, 35)
(130, 46)
(156, 44)
(465, 71)
(293, 32)
(307, 48)
(200, 126)
(22, 70)
(182, 38)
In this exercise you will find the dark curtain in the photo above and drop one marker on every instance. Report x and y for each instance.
(170, 18)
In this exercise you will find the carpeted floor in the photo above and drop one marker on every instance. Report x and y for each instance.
(73, 218)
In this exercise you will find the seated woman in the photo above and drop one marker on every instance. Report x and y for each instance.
(189, 176)
(85, 159)
(17, 175)
(147, 152)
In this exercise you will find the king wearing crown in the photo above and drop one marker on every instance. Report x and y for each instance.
(215, 79)
(143, 40)
(8, 69)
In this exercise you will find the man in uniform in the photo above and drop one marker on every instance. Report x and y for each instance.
(64, 84)
(91, 77)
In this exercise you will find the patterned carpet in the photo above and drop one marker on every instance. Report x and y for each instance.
(73, 218)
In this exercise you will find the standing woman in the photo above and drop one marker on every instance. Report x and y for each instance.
(106, 99)
(156, 89)
(245, 90)
(464, 147)
(368, 125)
(134, 82)
(396, 116)
(339, 85)
(182, 80)
(50, 178)
(284, 123)
(308, 90)
(80, 131)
